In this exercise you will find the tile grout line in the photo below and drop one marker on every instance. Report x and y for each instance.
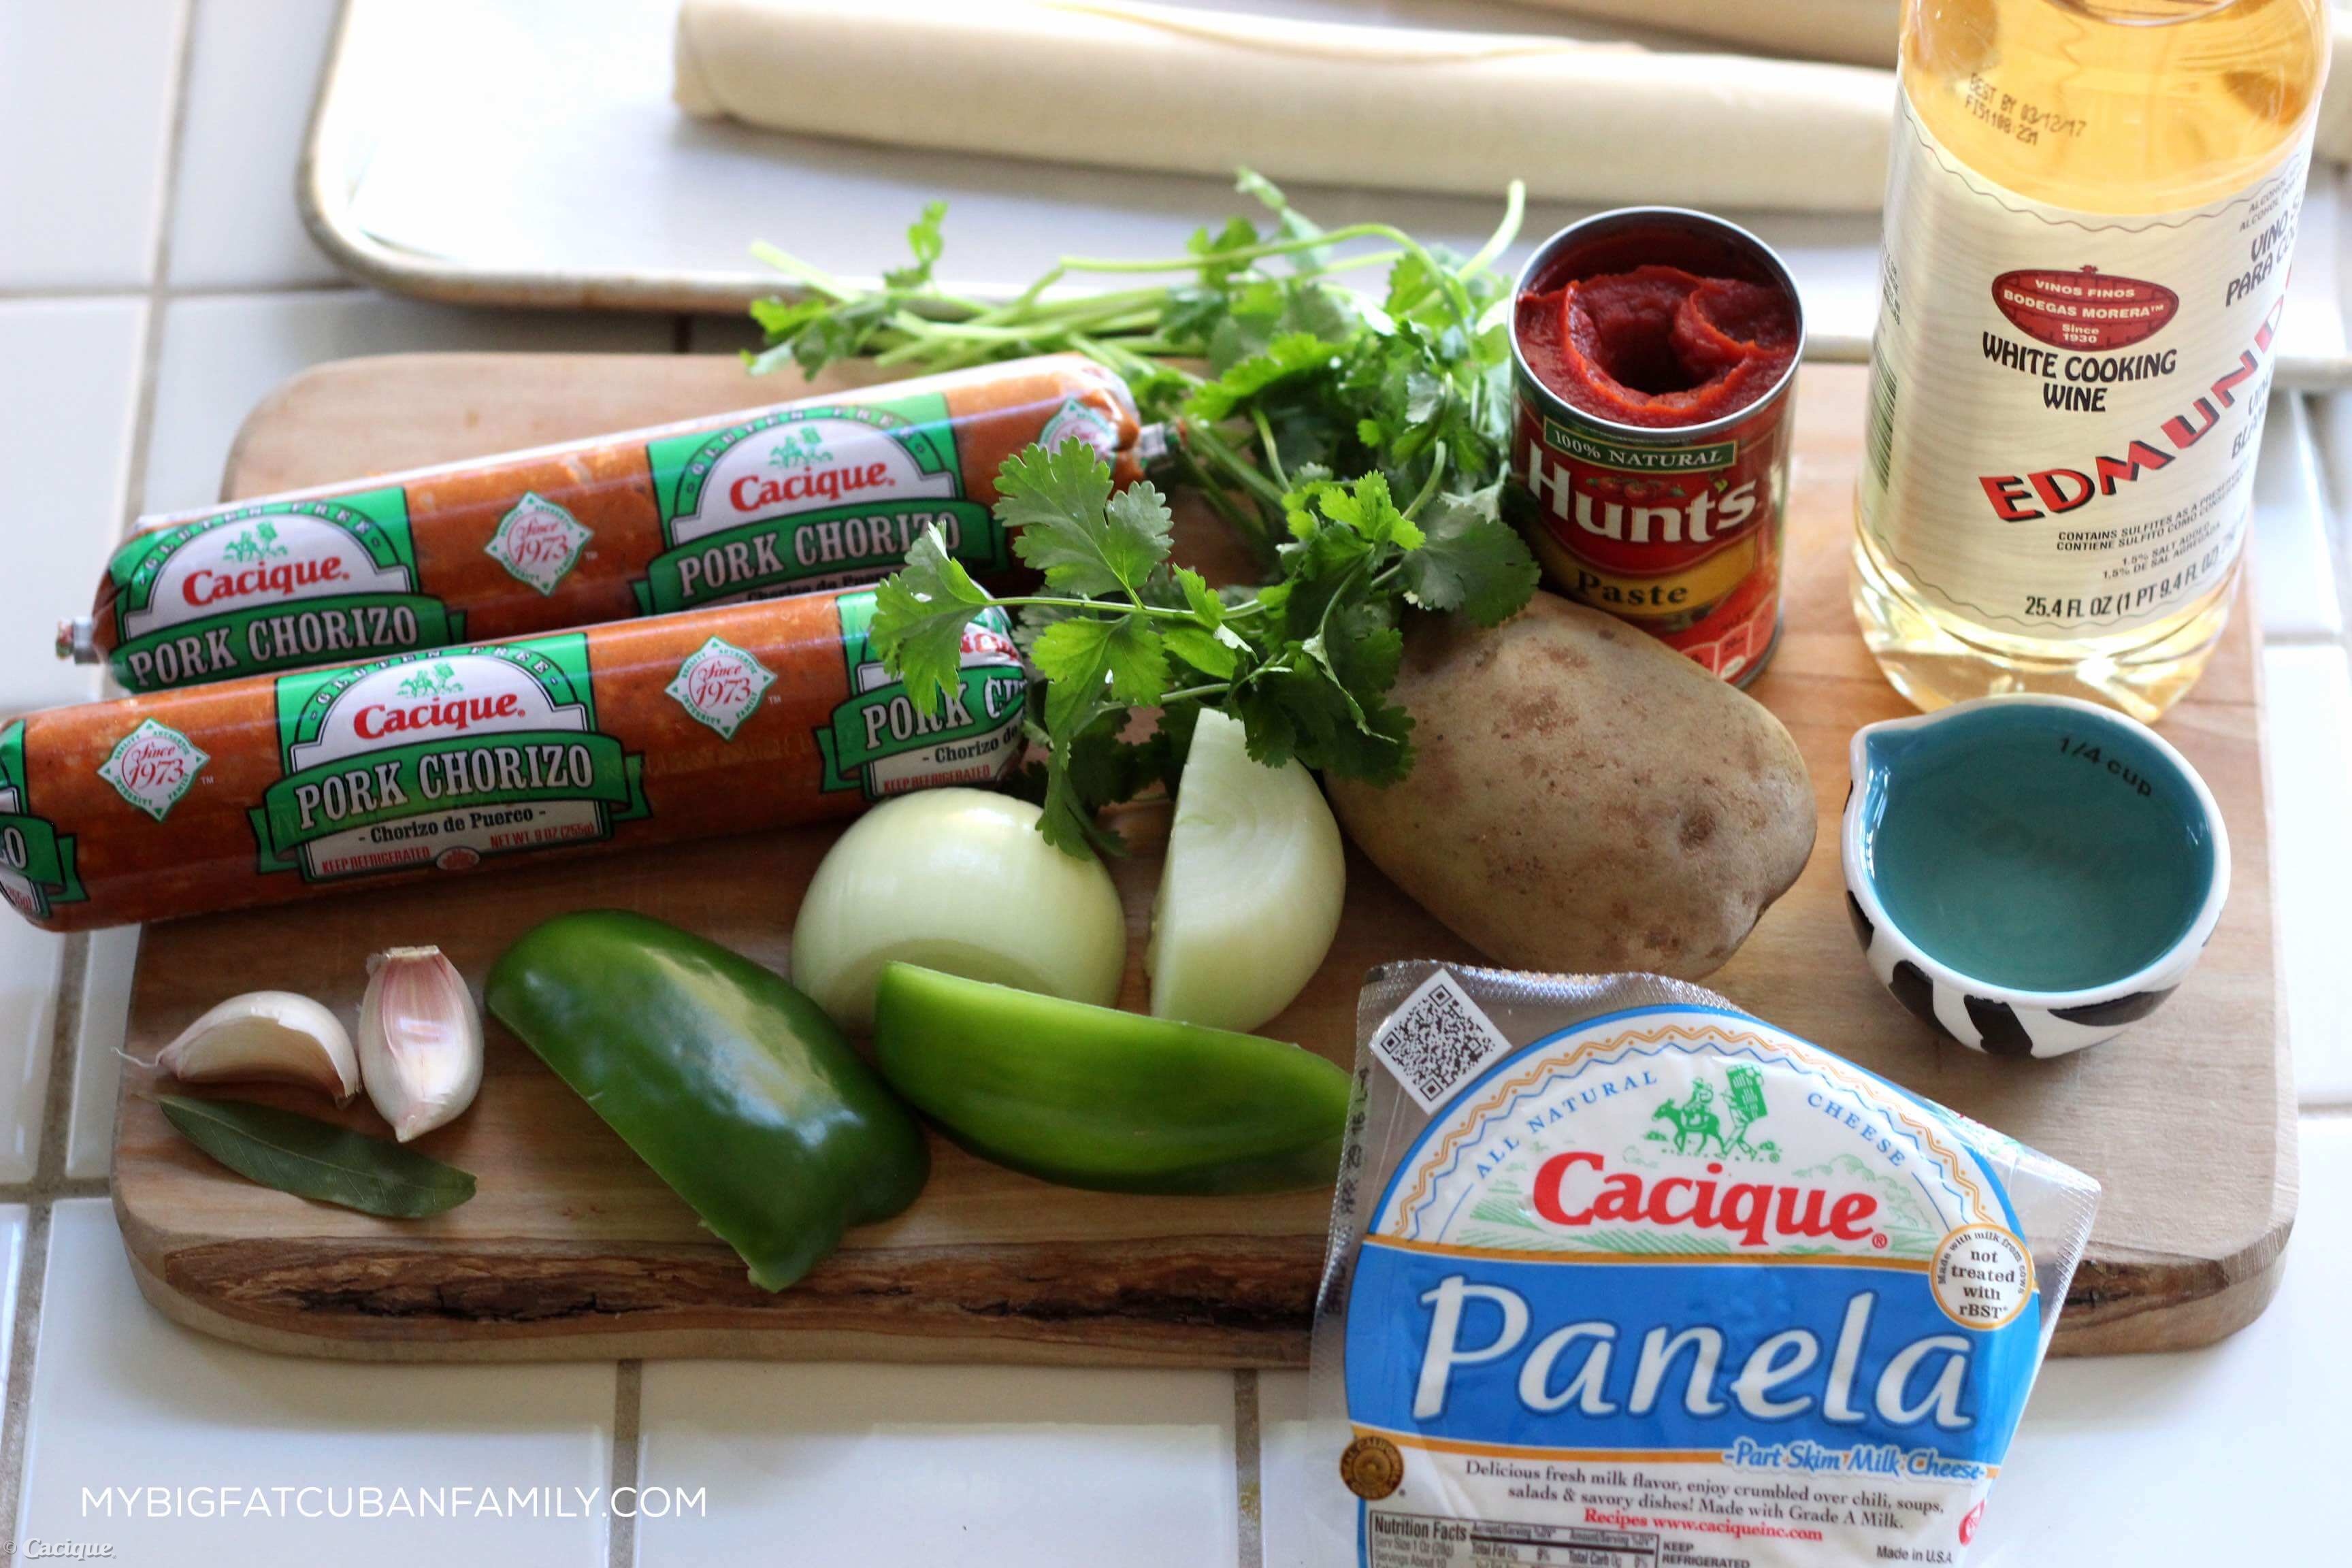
(40, 1202)
(56, 1102)
(628, 1463)
(2324, 476)
(159, 283)
(1249, 1490)
(23, 1343)
(49, 1182)
(629, 1377)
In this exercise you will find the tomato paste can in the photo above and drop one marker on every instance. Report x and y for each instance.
(1677, 527)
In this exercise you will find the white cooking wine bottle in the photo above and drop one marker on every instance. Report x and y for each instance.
(2090, 214)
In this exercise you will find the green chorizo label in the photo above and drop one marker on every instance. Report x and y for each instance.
(37, 861)
(801, 498)
(274, 586)
(441, 760)
(880, 743)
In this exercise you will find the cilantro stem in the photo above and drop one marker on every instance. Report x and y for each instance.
(1515, 211)
(1429, 485)
(1230, 461)
(934, 358)
(923, 327)
(1049, 601)
(1027, 305)
(1216, 475)
(1272, 456)
(793, 266)
(1228, 258)
(833, 289)
(1126, 360)
(1410, 397)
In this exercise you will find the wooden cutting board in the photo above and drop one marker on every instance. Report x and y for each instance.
(573, 1247)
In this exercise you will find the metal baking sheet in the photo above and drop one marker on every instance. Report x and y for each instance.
(527, 153)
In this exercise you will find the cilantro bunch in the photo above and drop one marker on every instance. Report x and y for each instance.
(1356, 442)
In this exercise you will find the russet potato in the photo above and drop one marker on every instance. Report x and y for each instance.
(1584, 798)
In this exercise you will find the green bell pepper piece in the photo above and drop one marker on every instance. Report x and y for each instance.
(1092, 1096)
(735, 1088)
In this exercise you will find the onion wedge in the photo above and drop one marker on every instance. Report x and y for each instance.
(1249, 900)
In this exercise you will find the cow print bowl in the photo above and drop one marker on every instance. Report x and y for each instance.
(2030, 874)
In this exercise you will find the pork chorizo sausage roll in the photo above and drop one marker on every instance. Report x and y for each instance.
(805, 495)
(276, 787)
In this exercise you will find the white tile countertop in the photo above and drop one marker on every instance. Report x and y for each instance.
(153, 284)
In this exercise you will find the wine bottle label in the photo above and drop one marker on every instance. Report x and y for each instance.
(2065, 406)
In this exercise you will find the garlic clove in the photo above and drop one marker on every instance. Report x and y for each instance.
(420, 1040)
(268, 1035)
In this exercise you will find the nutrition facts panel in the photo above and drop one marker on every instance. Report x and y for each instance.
(1419, 1540)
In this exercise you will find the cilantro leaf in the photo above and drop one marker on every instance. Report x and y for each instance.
(1138, 535)
(1319, 310)
(1363, 650)
(1071, 528)
(1217, 252)
(1365, 506)
(1203, 650)
(1470, 560)
(1106, 766)
(924, 240)
(1318, 414)
(1250, 183)
(1409, 284)
(919, 615)
(1067, 818)
(1293, 353)
(1200, 598)
(1318, 569)
(1093, 766)
(1094, 662)
(1302, 713)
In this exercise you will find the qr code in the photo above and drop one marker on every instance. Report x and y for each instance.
(1437, 1041)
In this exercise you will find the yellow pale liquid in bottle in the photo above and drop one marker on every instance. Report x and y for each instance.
(2090, 217)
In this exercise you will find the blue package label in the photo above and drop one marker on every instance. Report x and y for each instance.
(1674, 1287)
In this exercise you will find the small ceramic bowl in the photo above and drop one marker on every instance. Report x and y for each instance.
(2030, 874)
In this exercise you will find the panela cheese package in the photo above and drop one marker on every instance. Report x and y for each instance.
(1622, 1276)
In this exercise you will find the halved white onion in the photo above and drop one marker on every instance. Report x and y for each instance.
(1250, 898)
(959, 880)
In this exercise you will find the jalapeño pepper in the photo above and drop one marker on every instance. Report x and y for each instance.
(734, 1087)
(1092, 1096)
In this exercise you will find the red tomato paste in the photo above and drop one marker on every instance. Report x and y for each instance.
(1658, 347)
(1655, 350)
